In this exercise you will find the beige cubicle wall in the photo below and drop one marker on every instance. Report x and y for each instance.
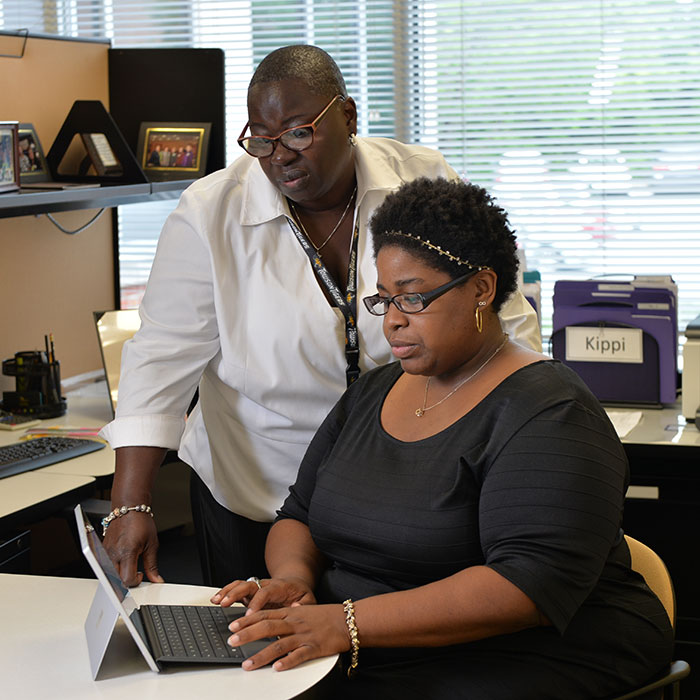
(51, 282)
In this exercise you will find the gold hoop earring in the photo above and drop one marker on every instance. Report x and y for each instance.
(479, 318)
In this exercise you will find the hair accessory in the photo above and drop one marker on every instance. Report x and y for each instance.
(420, 411)
(439, 250)
(255, 580)
(349, 609)
(120, 512)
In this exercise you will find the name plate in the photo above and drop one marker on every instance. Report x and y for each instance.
(594, 344)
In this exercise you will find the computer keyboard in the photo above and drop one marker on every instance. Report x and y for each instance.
(190, 631)
(40, 452)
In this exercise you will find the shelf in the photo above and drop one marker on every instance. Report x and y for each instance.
(32, 202)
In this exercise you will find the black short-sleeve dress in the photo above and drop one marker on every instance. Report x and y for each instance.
(531, 483)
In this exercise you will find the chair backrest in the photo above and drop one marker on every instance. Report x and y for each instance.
(650, 565)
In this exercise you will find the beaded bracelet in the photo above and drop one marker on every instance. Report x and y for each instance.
(349, 609)
(122, 511)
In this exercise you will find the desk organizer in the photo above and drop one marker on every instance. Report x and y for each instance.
(38, 385)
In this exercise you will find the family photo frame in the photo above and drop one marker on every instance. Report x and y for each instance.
(32, 163)
(173, 150)
(9, 157)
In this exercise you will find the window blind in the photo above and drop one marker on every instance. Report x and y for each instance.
(582, 118)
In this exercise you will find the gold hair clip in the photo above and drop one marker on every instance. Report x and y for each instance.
(439, 250)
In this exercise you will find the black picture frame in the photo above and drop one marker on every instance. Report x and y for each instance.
(32, 162)
(9, 157)
(160, 142)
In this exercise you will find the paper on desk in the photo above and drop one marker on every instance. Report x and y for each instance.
(624, 421)
(63, 431)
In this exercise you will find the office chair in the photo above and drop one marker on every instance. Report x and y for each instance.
(650, 565)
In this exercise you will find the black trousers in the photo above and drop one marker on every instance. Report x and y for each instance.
(230, 546)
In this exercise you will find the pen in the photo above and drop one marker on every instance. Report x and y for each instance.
(53, 369)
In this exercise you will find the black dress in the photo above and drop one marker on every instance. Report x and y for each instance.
(531, 483)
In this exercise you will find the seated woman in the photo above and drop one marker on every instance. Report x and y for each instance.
(456, 522)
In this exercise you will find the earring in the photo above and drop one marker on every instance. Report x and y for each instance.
(479, 319)
(352, 140)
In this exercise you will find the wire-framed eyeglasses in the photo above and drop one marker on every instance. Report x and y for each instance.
(412, 302)
(298, 138)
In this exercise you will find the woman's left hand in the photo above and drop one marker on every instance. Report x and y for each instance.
(304, 632)
(265, 593)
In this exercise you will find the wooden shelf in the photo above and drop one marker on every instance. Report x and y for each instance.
(29, 202)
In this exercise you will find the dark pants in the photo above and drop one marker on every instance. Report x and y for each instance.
(230, 546)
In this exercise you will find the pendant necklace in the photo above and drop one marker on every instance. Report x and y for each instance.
(420, 411)
(335, 228)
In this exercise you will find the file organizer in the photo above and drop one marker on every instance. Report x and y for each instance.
(620, 337)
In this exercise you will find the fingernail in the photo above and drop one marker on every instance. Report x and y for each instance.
(234, 625)
(248, 663)
(278, 666)
(234, 640)
(216, 597)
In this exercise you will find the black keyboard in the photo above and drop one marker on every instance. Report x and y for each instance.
(40, 452)
(191, 632)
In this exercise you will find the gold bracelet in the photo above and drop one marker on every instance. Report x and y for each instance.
(349, 609)
(122, 511)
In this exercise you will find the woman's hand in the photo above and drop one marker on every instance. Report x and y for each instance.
(128, 537)
(304, 632)
(272, 593)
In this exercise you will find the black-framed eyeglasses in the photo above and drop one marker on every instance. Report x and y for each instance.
(298, 138)
(412, 302)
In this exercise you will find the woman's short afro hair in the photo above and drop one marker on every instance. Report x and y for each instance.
(460, 218)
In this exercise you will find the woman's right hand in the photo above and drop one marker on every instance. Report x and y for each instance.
(128, 537)
(272, 593)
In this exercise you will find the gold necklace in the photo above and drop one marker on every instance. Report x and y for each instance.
(335, 228)
(424, 408)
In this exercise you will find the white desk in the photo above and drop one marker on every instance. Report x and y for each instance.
(44, 652)
(88, 406)
(658, 426)
(25, 490)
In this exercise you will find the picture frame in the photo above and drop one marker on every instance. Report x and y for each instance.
(9, 157)
(173, 150)
(32, 162)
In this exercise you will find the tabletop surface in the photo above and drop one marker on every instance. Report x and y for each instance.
(654, 426)
(44, 652)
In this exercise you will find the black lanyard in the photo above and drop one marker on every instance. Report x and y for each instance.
(347, 303)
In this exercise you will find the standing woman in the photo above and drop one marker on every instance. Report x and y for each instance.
(455, 526)
(253, 299)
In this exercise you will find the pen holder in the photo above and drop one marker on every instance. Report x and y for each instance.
(38, 385)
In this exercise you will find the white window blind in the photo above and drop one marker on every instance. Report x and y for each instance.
(582, 117)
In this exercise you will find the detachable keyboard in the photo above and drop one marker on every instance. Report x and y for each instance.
(40, 452)
(190, 633)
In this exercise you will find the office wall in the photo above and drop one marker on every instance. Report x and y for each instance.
(50, 281)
